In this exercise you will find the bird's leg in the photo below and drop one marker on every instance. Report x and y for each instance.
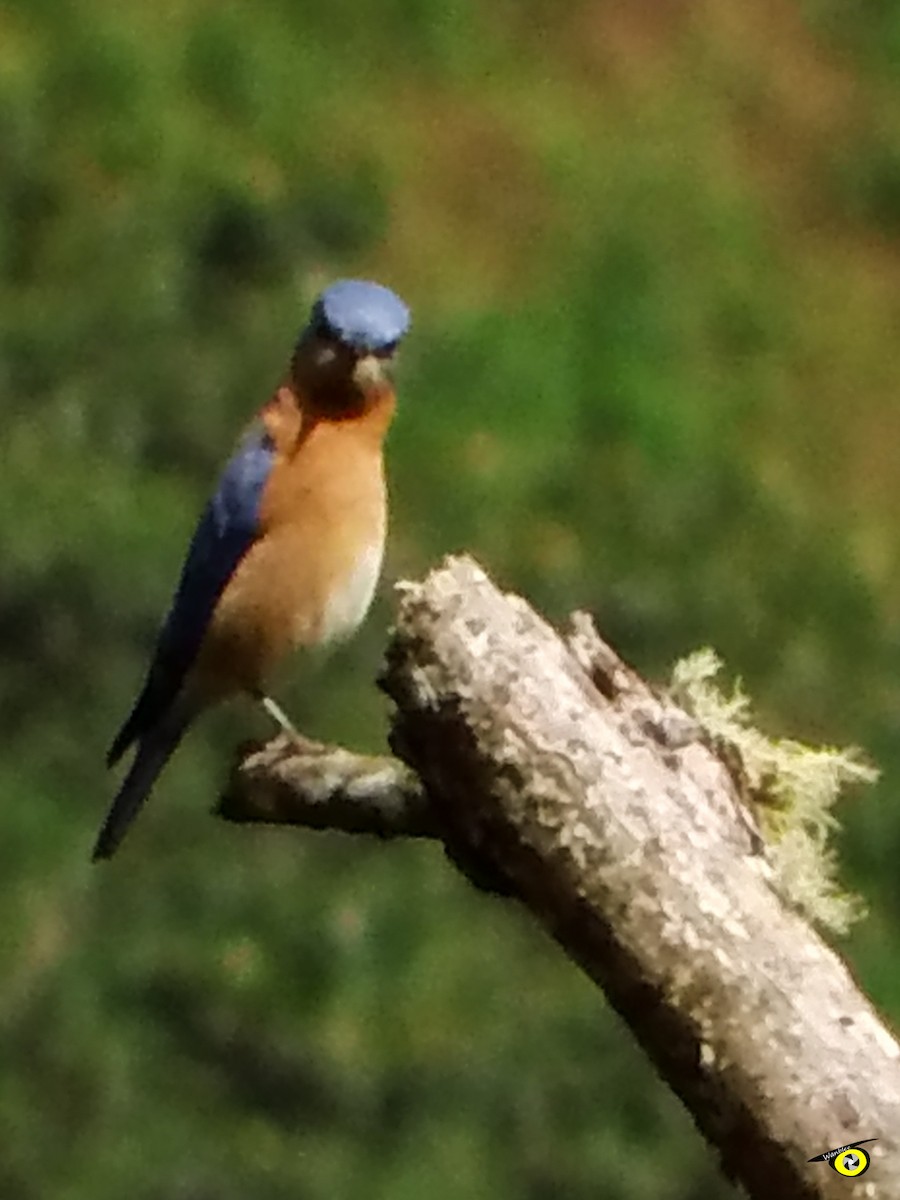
(278, 715)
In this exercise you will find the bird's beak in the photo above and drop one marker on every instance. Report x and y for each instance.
(369, 371)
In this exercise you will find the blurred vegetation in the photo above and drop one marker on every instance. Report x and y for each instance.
(653, 253)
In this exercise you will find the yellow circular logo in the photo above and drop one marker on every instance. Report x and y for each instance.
(851, 1162)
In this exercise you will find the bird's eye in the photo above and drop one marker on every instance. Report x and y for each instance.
(386, 351)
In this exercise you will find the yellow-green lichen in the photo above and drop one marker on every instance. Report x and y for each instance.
(793, 788)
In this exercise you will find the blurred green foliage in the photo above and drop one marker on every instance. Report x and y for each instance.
(653, 257)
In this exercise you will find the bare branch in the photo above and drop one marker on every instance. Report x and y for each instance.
(287, 782)
(549, 766)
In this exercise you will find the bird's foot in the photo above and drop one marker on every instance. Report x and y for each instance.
(281, 719)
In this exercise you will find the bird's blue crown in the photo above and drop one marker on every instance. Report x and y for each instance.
(364, 316)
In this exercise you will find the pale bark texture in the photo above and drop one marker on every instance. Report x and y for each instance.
(553, 772)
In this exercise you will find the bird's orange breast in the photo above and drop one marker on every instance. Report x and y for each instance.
(311, 574)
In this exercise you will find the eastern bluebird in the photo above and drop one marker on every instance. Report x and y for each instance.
(288, 550)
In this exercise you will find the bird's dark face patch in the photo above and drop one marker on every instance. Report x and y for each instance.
(339, 379)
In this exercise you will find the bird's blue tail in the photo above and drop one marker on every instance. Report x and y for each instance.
(153, 752)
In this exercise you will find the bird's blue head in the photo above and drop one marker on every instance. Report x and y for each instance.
(364, 317)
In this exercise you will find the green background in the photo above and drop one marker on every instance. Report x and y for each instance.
(653, 255)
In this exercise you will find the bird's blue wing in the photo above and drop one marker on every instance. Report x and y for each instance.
(228, 527)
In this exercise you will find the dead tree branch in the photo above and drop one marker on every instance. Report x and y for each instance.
(326, 787)
(552, 771)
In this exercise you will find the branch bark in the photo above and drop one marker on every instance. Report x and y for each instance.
(309, 783)
(553, 772)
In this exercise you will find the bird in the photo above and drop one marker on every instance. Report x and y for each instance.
(288, 550)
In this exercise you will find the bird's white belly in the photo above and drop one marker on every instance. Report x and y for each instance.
(348, 601)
